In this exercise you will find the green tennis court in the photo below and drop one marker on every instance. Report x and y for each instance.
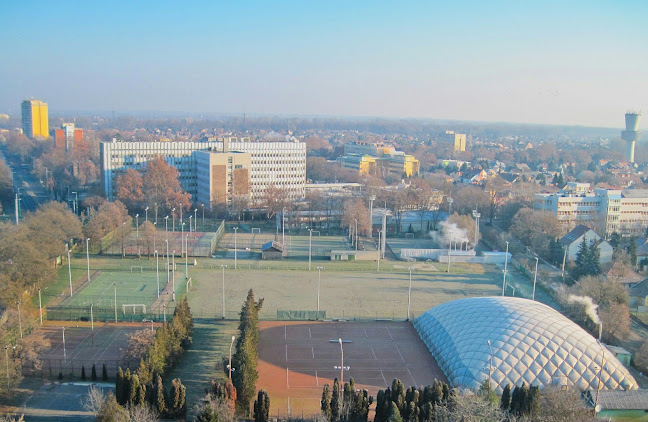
(133, 287)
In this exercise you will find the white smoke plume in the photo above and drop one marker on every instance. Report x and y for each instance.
(449, 233)
(590, 306)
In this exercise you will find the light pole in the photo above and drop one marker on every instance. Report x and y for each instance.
(167, 265)
(476, 215)
(283, 224)
(223, 268)
(379, 235)
(230, 359)
(64, 353)
(203, 216)
(505, 266)
(356, 233)
(87, 258)
(76, 200)
(166, 224)
(173, 274)
(187, 257)
(319, 282)
(450, 201)
(490, 369)
(195, 219)
(173, 220)
(92, 324)
(310, 243)
(146, 213)
(157, 271)
(164, 311)
(235, 246)
(409, 294)
(115, 286)
(40, 306)
(372, 198)
(182, 239)
(69, 271)
(535, 278)
(137, 229)
(190, 226)
(20, 321)
(7, 362)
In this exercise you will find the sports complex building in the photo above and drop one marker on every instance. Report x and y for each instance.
(517, 340)
(208, 169)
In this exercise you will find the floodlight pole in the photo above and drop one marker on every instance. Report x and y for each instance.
(319, 282)
(20, 321)
(64, 353)
(342, 363)
(535, 278)
(166, 224)
(283, 224)
(409, 294)
(230, 359)
(146, 213)
(190, 223)
(168, 263)
(164, 310)
(157, 271)
(379, 236)
(115, 285)
(92, 324)
(203, 216)
(196, 219)
(88, 257)
(310, 243)
(372, 198)
(505, 266)
(173, 220)
(356, 234)
(137, 228)
(182, 239)
(235, 246)
(40, 306)
(69, 271)
(173, 274)
(187, 257)
(223, 268)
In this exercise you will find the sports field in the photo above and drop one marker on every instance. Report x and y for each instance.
(297, 359)
(85, 347)
(344, 294)
(295, 246)
(134, 243)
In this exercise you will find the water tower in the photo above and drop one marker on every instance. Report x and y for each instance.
(631, 134)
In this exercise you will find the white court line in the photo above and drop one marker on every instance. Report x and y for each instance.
(374, 353)
(313, 350)
(285, 332)
(383, 375)
(412, 377)
(286, 353)
(310, 335)
(365, 331)
(400, 353)
(138, 286)
(316, 378)
(288, 406)
(389, 332)
(287, 384)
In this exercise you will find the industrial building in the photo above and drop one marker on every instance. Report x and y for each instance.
(508, 340)
(35, 121)
(279, 164)
(607, 210)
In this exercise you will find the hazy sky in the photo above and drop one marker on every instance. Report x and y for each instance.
(558, 62)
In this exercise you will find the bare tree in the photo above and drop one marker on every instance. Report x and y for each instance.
(94, 400)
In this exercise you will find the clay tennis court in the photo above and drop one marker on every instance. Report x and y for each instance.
(296, 359)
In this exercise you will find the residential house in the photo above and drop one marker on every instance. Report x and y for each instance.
(573, 240)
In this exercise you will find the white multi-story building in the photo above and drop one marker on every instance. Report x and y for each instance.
(609, 210)
(279, 164)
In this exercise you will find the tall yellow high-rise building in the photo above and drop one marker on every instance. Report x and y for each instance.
(35, 121)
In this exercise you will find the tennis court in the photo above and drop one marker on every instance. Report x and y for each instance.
(140, 244)
(297, 359)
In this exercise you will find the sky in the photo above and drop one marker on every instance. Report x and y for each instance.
(550, 62)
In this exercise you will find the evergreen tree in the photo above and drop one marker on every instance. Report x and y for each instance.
(394, 414)
(177, 396)
(615, 240)
(582, 259)
(93, 373)
(134, 391)
(505, 403)
(398, 395)
(532, 403)
(83, 374)
(126, 391)
(594, 260)
(246, 356)
(119, 386)
(104, 373)
(381, 414)
(325, 403)
(632, 251)
(335, 401)
(160, 402)
(262, 407)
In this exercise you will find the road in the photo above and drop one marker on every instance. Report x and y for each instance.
(32, 193)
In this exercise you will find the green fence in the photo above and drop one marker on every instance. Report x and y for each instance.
(300, 315)
(102, 314)
(111, 237)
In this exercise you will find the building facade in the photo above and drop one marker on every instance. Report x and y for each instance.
(278, 164)
(67, 136)
(608, 210)
(457, 139)
(35, 121)
(378, 159)
(221, 176)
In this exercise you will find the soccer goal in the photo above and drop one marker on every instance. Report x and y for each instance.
(136, 268)
(256, 230)
(134, 307)
(409, 235)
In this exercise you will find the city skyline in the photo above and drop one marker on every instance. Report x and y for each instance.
(543, 63)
